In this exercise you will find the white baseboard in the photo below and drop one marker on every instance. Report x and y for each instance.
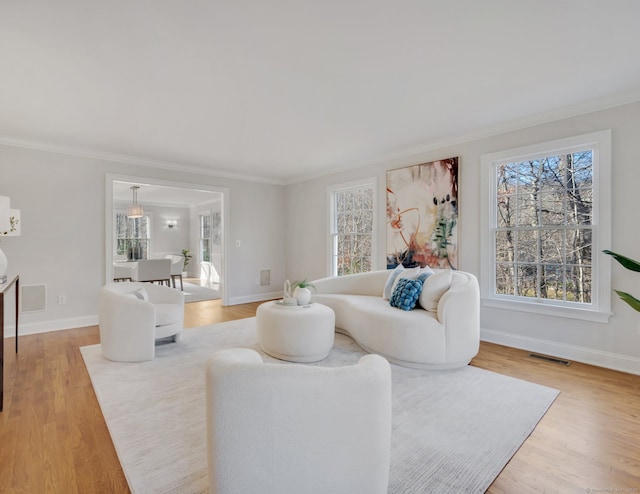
(258, 297)
(614, 361)
(46, 326)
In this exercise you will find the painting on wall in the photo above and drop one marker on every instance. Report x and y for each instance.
(422, 215)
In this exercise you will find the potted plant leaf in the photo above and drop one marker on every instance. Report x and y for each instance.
(186, 258)
(633, 266)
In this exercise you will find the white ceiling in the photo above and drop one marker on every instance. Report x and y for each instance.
(280, 90)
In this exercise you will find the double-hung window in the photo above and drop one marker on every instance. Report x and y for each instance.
(133, 236)
(352, 227)
(545, 223)
(205, 236)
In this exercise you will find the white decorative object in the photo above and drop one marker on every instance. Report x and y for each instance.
(9, 227)
(3, 266)
(287, 298)
(302, 295)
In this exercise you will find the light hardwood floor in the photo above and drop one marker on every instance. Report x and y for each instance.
(53, 438)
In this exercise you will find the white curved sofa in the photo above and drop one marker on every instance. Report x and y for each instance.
(447, 338)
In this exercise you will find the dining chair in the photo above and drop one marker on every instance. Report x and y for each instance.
(153, 270)
(177, 263)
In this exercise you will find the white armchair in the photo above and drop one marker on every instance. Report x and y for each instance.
(132, 316)
(291, 428)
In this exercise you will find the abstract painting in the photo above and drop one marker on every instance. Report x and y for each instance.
(422, 215)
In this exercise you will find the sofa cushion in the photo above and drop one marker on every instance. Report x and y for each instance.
(167, 314)
(388, 287)
(406, 293)
(433, 289)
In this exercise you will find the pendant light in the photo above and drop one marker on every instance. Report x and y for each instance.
(135, 210)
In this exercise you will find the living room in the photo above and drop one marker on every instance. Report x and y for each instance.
(60, 182)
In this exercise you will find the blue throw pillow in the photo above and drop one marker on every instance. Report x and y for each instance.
(406, 293)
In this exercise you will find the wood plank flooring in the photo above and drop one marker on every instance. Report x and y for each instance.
(53, 438)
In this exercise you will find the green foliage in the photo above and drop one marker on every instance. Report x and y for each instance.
(303, 284)
(630, 299)
(633, 266)
(187, 257)
(625, 261)
(13, 225)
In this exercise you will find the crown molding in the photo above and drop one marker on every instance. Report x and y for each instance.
(133, 160)
(610, 101)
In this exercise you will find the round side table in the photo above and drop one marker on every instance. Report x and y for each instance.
(296, 333)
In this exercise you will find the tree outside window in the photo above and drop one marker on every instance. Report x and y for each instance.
(132, 236)
(543, 234)
(352, 222)
(205, 237)
(545, 222)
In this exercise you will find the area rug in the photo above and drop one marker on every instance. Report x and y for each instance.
(197, 293)
(453, 431)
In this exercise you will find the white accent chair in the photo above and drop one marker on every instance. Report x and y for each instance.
(177, 263)
(291, 428)
(153, 270)
(132, 316)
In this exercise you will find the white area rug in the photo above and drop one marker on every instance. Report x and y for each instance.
(197, 293)
(453, 431)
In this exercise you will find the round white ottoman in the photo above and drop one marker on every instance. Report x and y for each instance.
(296, 333)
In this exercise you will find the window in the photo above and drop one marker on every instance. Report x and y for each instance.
(132, 236)
(352, 227)
(205, 237)
(545, 226)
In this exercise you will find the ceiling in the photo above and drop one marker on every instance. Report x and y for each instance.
(279, 90)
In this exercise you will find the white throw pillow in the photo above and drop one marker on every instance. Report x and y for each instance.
(433, 289)
(388, 287)
(410, 274)
(141, 294)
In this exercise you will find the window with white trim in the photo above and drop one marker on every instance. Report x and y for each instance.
(132, 236)
(352, 223)
(205, 236)
(545, 224)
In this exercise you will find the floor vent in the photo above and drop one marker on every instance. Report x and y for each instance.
(546, 358)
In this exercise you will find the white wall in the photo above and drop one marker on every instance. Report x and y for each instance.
(62, 203)
(616, 344)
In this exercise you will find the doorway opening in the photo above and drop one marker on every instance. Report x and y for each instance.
(177, 216)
